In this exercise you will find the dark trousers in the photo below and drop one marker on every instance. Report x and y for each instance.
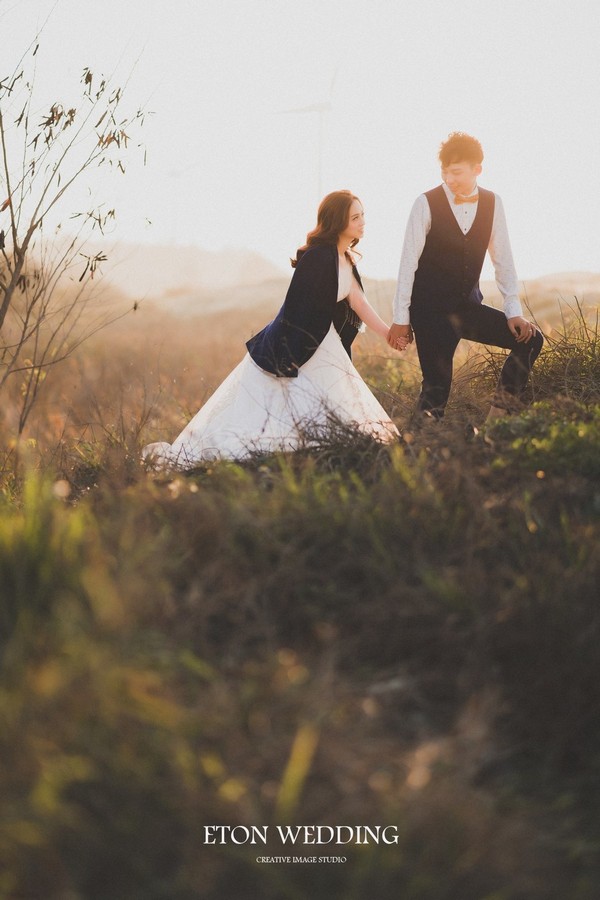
(437, 335)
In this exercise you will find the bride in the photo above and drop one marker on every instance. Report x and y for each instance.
(297, 377)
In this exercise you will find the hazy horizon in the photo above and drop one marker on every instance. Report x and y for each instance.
(236, 265)
(229, 165)
(190, 281)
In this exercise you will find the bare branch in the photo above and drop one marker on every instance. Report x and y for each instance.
(42, 319)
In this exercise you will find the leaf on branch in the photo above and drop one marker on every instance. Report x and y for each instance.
(9, 88)
(5, 205)
(2, 240)
(101, 119)
(37, 47)
(142, 113)
(87, 79)
(92, 264)
(105, 139)
(20, 119)
(56, 113)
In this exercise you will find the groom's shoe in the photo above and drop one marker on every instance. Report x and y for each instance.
(471, 431)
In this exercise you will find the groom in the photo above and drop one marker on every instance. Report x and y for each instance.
(437, 298)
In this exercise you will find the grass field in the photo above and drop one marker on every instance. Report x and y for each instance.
(354, 634)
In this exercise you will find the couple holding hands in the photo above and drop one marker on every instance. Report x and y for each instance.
(298, 377)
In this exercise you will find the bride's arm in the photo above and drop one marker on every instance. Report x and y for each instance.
(363, 308)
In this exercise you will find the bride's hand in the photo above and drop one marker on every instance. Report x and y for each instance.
(400, 336)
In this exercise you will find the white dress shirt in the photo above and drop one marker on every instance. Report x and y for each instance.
(417, 229)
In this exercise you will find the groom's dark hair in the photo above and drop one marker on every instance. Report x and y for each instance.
(460, 147)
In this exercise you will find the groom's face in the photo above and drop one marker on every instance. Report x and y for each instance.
(461, 177)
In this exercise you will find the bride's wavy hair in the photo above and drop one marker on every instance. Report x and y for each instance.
(333, 216)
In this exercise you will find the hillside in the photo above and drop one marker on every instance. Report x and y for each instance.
(189, 282)
(166, 272)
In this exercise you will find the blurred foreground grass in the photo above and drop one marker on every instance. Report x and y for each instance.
(349, 635)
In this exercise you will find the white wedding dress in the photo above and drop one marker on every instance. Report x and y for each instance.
(253, 411)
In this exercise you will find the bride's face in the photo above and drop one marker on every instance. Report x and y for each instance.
(356, 224)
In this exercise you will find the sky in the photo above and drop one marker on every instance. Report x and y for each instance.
(228, 166)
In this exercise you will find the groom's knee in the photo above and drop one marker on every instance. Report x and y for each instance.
(535, 345)
(528, 351)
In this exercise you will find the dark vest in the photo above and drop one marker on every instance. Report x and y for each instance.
(309, 308)
(451, 261)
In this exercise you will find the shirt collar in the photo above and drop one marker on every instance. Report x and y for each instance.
(451, 196)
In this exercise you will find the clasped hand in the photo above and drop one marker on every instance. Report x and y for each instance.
(400, 336)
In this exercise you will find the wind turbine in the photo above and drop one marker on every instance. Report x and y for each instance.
(321, 110)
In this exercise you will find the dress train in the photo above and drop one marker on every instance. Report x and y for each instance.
(253, 411)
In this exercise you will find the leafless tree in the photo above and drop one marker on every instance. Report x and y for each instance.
(47, 304)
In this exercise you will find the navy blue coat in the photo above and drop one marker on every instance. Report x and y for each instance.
(309, 308)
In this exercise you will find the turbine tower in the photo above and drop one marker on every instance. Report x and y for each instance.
(321, 110)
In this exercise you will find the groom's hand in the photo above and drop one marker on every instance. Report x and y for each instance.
(400, 336)
(521, 328)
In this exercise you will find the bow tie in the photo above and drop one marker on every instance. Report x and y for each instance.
(473, 199)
